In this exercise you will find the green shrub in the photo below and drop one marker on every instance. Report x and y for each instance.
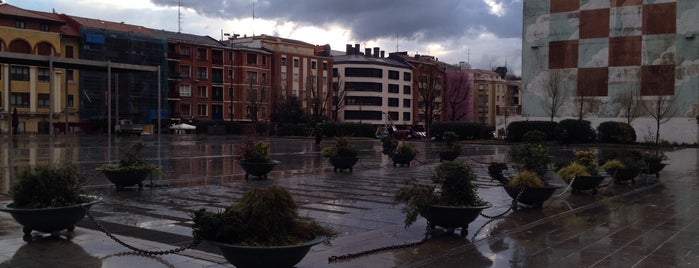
(616, 132)
(517, 129)
(343, 148)
(526, 178)
(254, 151)
(534, 136)
(464, 130)
(578, 131)
(388, 145)
(573, 170)
(530, 156)
(405, 148)
(46, 186)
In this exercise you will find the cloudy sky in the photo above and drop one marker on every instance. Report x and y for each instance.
(486, 33)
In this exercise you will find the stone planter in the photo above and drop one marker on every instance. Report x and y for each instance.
(49, 220)
(532, 196)
(280, 256)
(127, 177)
(402, 159)
(624, 175)
(343, 162)
(586, 183)
(448, 155)
(258, 169)
(654, 168)
(451, 217)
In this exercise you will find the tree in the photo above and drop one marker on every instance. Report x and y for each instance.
(457, 92)
(556, 89)
(661, 108)
(338, 96)
(255, 96)
(429, 90)
(289, 110)
(583, 99)
(628, 99)
(317, 99)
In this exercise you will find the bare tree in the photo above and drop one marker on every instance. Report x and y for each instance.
(456, 93)
(556, 88)
(338, 96)
(317, 100)
(661, 108)
(628, 99)
(255, 97)
(583, 99)
(429, 90)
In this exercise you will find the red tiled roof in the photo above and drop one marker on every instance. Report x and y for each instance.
(10, 10)
(114, 26)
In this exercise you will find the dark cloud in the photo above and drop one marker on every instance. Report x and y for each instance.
(371, 19)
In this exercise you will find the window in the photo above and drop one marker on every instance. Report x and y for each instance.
(296, 77)
(230, 56)
(43, 100)
(217, 93)
(185, 71)
(19, 99)
(202, 92)
(283, 76)
(393, 75)
(406, 103)
(393, 102)
(393, 115)
(217, 57)
(19, 73)
(296, 63)
(252, 59)
(406, 76)
(325, 65)
(406, 116)
(393, 88)
(263, 110)
(363, 86)
(314, 65)
(185, 51)
(185, 90)
(363, 115)
(44, 75)
(363, 72)
(19, 24)
(406, 89)
(264, 60)
(44, 27)
(283, 61)
(335, 72)
(360, 100)
(230, 92)
(201, 53)
(202, 73)
(185, 109)
(251, 77)
(230, 109)
(69, 75)
(71, 101)
(217, 111)
(230, 74)
(202, 110)
(69, 52)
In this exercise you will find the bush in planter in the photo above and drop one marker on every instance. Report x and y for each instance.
(584, 164)
(531, 156)
(343, 148)
(452, 186)
(47, 186)
(405, 148)
(388, 145)
(133, 160)
(254, 151)
(527, 179)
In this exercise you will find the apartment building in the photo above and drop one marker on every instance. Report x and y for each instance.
(376, 88)
(32, 91)
(297, 68)
(609, 49)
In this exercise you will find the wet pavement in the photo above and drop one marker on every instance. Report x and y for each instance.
(650, 224)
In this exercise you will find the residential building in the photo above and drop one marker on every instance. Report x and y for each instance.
(376, 88)
(609, 50)
(34, 92)
(429, 85)
(490, 94)
(297, 68)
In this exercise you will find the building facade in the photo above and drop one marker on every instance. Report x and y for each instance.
(30, 95)
(597, 52)
(376, 88)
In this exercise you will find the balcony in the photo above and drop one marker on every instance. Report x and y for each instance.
(173, 75)
(217, 98)
(217, 79)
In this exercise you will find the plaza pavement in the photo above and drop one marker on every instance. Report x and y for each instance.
(653, 223)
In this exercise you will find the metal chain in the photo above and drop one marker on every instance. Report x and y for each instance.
(361, 163)
(570, 184)
(313, 170)
(101, 227)
(350, 256)
(514, 203)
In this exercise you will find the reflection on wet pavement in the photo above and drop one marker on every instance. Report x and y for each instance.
(646, 224)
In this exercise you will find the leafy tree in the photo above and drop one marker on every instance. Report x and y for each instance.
(289, 110)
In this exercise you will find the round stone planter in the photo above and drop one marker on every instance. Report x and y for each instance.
(49, 220)
(342, 163)
(624, 175)
(448, 156)
(258, 169)
(402, 159)
(127, 177)
(654, 168)
(532, 196)
(281, 256)
(586, 183)
(451, 217)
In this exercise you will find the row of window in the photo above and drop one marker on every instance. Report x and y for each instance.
(203, 92)
(374, 73)
(216, 110)
(44, 27)
(18, 99)
(314, 64)
(21, 73)
(375, 87)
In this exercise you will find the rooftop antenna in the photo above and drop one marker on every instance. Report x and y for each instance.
(396, 42)
(468, 56)
(179, 17)
(253, 17)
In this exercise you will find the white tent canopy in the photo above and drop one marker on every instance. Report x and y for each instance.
(182, 126)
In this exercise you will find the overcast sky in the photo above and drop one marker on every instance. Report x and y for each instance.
(486, 33)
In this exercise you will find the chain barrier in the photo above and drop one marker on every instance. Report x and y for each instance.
(350, 256)
(514, 204)
(313, 170)
(101, 227)
(566, 189)
(361, 163)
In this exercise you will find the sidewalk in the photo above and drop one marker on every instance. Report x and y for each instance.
(644, 225)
